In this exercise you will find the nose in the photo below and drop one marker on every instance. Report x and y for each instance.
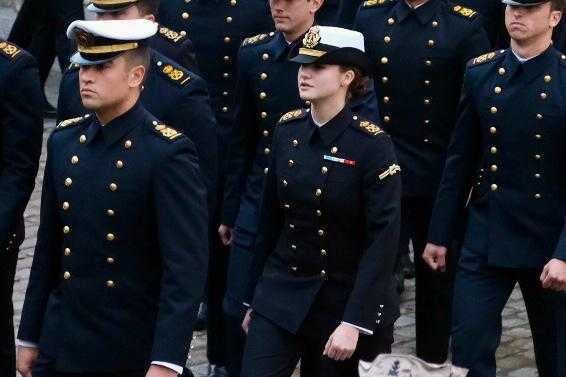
(85, 74)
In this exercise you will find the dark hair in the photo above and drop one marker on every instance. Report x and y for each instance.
(557, 5)
(359, 86)
(147, 7)
(139, 56)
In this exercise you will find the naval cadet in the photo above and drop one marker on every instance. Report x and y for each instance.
(170, 91)
(508, 146)
(419, 51)
(21, 130)
(120, 262)
(217, 29)
(329, 225)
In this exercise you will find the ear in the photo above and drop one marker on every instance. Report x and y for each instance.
(347, 77)
(136, 76)
(555, 17)
(316, 5)
(150, 17)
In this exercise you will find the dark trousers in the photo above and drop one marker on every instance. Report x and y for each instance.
(272, 351)
(8, 260)
(433, 290)
(45, 367)
(480, 295)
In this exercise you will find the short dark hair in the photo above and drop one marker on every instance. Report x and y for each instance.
(557, 5)
(148, 7)
(139, 56)
(359, 86)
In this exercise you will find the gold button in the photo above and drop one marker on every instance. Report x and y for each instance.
(67, 251)
(318, 192)
(386, 99)
(263, 115)
(323, 252)
(547, 78)
(323, 273)
(82, 139)
(110, 212)
(265, 133)
(427, 122)
(494, 187)
(434, 23)
(110, 284)
(75, 160)
(501, 71)
(266, 171)
(119, 164)
(538, 136)
(427, 101)
(66, 229)
(426, 141)
(543, 95)
(430, 42)
(265, 56)
(68, 182)
(384, 60)
(226, 58)
(185, 15)
(227, 39)
(233, 2)
(263, 76)
(284, 183)
(493, 110)
(66, 275)
(295, 142)
(110, 260)
(183, 33)
(266, 151)
(324, 170)
(497, 90)
(291, 163)
(493, 150)
(538, 196)
(493, 168)
(294, 247)
(537, 175)
(386, 119)
(493, 130)
(225, 109)
(262, 95)
(66, 206)
(225, 75)
(318, 212)
(384, 79)
(334, 150)
(427, 82)
(113, 187)
(308, 103)
(292, 226)
(287, 206)
(225, 94)
(110, 237)
(321, 232)
(390, 20)
(539, 116)
(229, 19)
(428, 62)
(387, 39)
(538, 156)
(128, 144)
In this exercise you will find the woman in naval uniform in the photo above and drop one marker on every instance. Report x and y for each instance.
(323, 265)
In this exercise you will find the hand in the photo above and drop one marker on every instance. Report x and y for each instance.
(27, 356)
(342, 343)
(160, 371)
(554, 275)
(247, 320)
(226, 234)
(435, 257)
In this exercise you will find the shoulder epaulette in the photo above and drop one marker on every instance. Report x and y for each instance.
(176, 74)
(485, 58)
(370, 128)
(376, 3)
(391, 170)
(71, 122)
(291, 115)
(9, 50)
(171, 35)
(464, 11)
(166, 132)
(260, 38)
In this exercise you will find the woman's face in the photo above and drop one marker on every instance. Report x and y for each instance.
(320, 81)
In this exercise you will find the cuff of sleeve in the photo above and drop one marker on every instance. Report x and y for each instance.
(364, 331)
(176, 368)
(23, 343)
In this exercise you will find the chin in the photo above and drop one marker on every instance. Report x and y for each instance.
(90, 105)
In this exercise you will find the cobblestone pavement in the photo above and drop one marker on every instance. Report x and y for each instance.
(515, 355)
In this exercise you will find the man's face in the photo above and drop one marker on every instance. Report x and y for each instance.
(103, 86)
(289, 15)
(130, 13)
(525, 23)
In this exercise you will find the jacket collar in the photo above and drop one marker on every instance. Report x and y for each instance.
(424, 13)
(118, 127)
(334, 128)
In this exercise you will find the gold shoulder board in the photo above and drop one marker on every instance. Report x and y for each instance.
(9, 50)
(176, 74)
(295, 114)
(71, 122)
(485, 58)
(167, 132)
(370, 128)
(375, 3)
(256, 39)
(171, 35)
(464, 11)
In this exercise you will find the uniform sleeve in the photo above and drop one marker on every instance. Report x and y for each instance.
(181, 216)
(270, 223)
(195, 118)
(382, 198)
(476, 43)
(242, 141)
(21, 135)
(461, 162)
(45, 269)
